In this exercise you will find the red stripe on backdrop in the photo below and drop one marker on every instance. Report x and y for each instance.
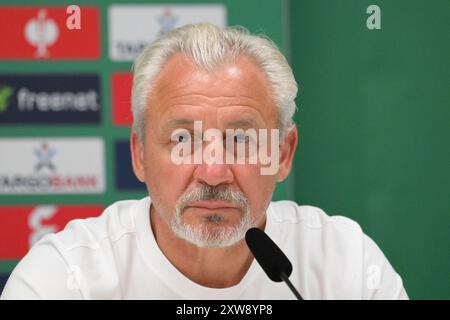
(121, 84)
(32, 32)
(22, 225)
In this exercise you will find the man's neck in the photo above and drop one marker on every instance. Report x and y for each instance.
(209, 267)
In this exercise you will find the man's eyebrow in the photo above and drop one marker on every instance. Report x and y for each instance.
(242, 123)
(238, 123)
(181, 122)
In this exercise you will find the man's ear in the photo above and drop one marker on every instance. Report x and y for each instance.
(137, 155)
(287, 151)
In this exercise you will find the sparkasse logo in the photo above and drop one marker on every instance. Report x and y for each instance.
(22, 226)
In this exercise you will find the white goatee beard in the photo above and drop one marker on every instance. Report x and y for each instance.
(208, 233)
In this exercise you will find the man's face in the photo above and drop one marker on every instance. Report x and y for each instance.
(206, 203)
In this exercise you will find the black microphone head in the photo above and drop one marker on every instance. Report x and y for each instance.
(269, 256)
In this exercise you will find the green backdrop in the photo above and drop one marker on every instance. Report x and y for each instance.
(374, 123)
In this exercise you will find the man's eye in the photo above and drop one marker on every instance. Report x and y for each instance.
(241, 138)
(181, 137)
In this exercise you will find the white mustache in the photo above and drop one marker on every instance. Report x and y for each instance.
(206, 192)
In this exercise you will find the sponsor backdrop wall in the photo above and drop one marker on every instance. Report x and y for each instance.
(65, 105)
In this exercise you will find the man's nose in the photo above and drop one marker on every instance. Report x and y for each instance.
(213, 174)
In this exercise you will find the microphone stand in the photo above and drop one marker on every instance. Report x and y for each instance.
(285, 278)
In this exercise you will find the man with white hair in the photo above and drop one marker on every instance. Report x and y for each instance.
(212, 108)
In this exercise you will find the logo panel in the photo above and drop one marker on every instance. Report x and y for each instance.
(51, 165)
(121, 84)
(125, 178)
(50, 99)
(22, 226)
(32, 32)
(132, 27)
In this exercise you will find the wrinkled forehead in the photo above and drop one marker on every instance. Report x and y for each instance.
(239, 87)
(242, 68)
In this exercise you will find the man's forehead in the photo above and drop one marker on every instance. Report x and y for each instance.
(233, 116)
(180, 83)
(238, 78)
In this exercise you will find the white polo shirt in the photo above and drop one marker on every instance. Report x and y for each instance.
(115, 256)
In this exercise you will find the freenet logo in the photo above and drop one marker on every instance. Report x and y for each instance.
(5, 94)
(50, 98)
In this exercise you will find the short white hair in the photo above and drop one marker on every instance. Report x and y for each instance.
(210, 47)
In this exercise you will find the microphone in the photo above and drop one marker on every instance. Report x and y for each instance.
(270, 257)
